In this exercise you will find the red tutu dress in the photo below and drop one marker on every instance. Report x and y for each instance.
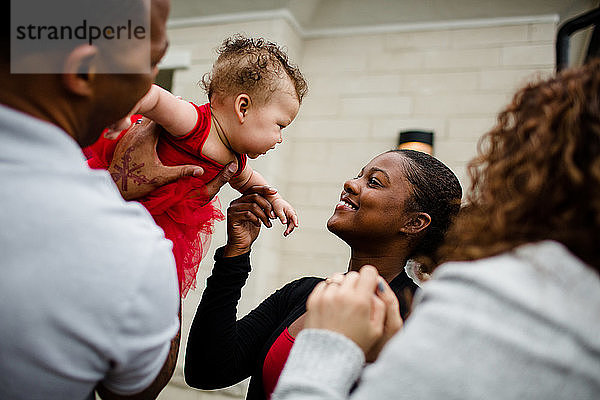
(181, 208)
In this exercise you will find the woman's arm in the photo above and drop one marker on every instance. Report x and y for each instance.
(222, 351)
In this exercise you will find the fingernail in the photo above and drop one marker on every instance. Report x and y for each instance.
(232, 168)
(380, 286)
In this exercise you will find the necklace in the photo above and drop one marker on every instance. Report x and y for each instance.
(220, 131)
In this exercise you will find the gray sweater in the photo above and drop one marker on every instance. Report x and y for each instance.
(521, 325)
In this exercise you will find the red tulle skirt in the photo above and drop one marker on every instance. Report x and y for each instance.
(181, 209)
(186, 216)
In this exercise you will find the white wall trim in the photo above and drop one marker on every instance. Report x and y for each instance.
(430, 26)
(282, 13)
(176, 59)
(286, 15)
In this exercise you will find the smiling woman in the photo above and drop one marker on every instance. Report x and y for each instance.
(397, 208)
(403, 188)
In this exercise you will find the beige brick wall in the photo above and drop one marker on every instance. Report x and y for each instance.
(363, 90)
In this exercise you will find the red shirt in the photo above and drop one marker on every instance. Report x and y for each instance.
(275, 360)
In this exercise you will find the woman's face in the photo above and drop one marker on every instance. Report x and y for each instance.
(372, 205)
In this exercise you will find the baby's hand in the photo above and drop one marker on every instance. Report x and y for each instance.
(286, 214)
(113, 131)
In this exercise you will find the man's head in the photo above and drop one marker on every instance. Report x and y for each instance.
(116, 94)
(82, 99)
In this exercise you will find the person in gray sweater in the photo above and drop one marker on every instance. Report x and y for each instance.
(514, 312)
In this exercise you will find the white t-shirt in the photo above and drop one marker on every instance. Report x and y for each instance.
(88, 286)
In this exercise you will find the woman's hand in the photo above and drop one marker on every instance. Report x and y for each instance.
(350, 306)
(244, 218)
(137, 170)
(393, 321)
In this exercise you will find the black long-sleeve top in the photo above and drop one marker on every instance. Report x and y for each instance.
(222, 351)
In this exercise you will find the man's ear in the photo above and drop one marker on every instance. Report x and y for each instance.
(242, 104)
(416, 223)
(79, 70)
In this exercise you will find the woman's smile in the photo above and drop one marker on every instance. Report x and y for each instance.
(346, 204)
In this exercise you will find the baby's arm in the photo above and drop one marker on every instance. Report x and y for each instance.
(286, 213)
(177, 116)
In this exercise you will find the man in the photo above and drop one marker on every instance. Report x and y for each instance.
(88, 292)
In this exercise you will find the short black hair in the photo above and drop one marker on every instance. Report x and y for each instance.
(437, 192)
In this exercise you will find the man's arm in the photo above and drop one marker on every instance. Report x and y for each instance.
(161, 380)
(152, 391)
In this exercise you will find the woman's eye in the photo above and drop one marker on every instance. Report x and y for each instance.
(374, 182)
(281, 126)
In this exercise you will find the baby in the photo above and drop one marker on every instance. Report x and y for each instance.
(254, 93)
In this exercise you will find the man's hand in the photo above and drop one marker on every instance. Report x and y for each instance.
(244, 218)
(137, 170)
(349, 306)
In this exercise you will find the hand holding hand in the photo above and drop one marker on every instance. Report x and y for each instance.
(244, 218)
(349, 306)
(393, 321)
(285, 212)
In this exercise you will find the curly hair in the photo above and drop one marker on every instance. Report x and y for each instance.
(252, 65)
(437, 192)
(537, 173)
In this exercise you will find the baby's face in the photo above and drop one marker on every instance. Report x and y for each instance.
(262, 128)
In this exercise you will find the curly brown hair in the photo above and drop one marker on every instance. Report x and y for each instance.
(254, 66)
(537, 175)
